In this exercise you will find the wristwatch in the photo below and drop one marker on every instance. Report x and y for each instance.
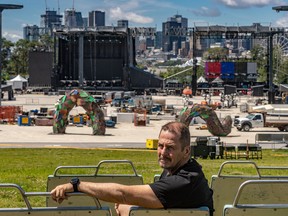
(75, 182)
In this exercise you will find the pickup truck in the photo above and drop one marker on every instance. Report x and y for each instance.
(261, 119)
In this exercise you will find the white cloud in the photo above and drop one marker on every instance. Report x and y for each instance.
(130, 5)
(127, 5)
(282, 22)
(12, 36)
(118, 13)
(207, 12)
(248, 3)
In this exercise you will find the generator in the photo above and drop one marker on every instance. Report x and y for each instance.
(215, 147)
(200, 148)
(207, 146)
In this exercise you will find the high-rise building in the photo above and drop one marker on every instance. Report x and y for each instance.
(31, 32)
(168, 37)
(158, 40)
(85, 21)
(73, 18)
(96, 18)
(150, 42)
(122, 23)
(49, 20)
(179, 19)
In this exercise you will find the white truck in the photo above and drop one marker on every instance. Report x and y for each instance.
(261, 119)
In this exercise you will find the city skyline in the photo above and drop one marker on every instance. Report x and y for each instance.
(148, 13)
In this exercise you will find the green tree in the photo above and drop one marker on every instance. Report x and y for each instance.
(259, 55)
(7, 47)
(184, 77)
(217, 53)
(15, 56)
(20, 56)
(46, 42)
(170, 63)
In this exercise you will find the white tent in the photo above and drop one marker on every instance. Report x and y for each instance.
(217, 80)
(201, 79)
(18, 82)
(283, 88)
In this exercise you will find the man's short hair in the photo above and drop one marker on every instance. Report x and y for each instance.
(179, 129)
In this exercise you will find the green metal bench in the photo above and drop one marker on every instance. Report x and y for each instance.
(226, 186)
(87, 210)
(130, 178)
(139, 211)
(260, 197)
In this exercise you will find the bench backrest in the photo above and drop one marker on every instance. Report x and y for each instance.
(138, 211)
(225, 187)
(51, 211)
(127, 179)
(271, 211)
(55, 212)
(260, 197)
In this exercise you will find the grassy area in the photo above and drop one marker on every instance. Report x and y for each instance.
(30, 168)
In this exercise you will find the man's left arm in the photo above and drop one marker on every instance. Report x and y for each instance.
(140, 195)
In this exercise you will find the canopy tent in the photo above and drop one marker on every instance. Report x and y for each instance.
(283, 88)
(201, 79)
(217, 80)
(18, 82)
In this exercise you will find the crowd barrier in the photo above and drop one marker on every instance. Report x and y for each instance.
(8, 114)
(271, 139)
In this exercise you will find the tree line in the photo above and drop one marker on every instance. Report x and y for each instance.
(15, 55)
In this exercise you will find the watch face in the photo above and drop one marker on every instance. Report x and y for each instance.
(74, 181)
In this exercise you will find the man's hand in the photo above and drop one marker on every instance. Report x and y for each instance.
(58, 194)
(122, 209)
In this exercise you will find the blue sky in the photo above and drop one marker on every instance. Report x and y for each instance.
(149, 13)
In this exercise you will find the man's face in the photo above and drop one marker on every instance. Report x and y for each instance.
(170, 154)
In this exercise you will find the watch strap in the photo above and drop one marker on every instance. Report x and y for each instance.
(75, 182)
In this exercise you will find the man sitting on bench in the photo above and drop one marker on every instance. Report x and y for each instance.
(182, 183)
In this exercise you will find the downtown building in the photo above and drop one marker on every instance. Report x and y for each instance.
(51, 19)
(172, 41)
(96, 18)
(72, 18)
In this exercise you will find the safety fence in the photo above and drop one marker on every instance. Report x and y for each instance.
(8, 114)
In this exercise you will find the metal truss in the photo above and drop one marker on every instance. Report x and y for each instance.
(102, 30)
(226, 32)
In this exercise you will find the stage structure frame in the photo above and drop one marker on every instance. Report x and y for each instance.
(255, 31)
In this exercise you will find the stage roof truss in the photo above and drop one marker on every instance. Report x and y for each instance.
(107, 30)
(228, 32)
(210, 31)
(239, 32)
(91, 31)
